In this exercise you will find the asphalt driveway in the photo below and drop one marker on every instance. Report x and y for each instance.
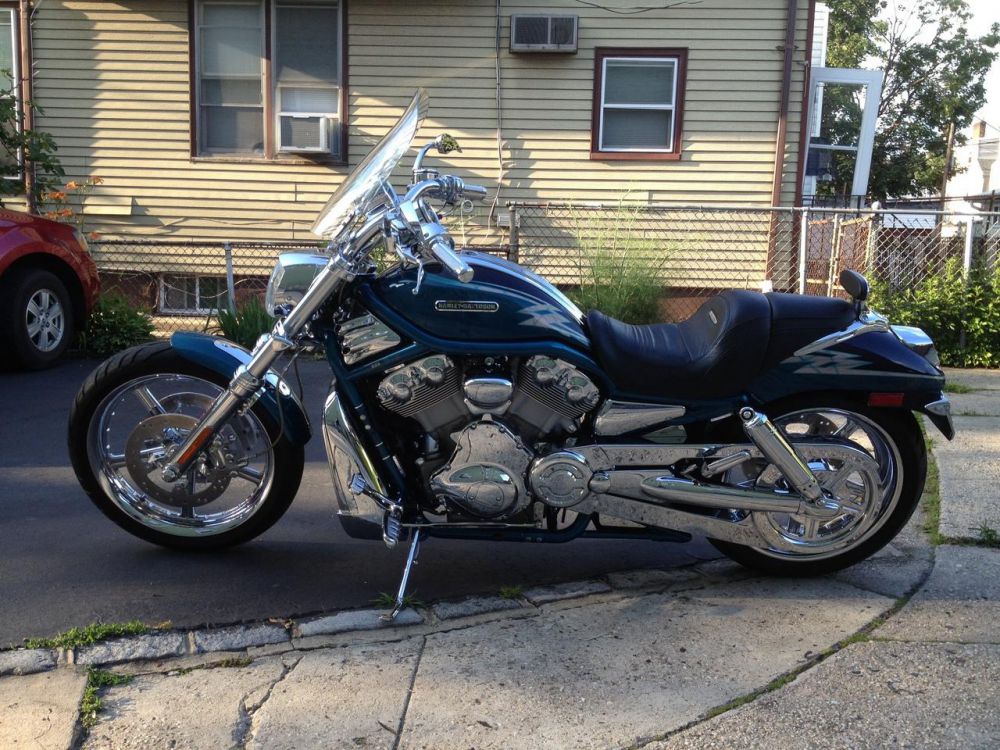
(63, 564)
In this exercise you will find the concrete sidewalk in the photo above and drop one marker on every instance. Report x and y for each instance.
(698, 657)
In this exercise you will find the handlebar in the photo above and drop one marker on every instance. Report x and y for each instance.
(447, 257)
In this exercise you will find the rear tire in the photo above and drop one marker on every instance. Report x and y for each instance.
(899, 428)
(157, 359)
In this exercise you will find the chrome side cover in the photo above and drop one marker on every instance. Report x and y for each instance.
(620, 417)
(363, 337)
(347, 457)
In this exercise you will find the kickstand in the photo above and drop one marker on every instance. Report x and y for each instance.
(411, 560)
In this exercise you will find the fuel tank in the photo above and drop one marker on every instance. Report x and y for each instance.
(503, 302)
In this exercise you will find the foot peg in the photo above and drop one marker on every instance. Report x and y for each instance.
(392, 519)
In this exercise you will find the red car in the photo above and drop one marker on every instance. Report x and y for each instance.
(48, 285)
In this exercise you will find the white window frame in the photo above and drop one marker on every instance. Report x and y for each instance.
(672, 108)
(15, 72)
(334, 118)
(197, 309)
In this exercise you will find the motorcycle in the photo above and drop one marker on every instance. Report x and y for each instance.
(472, 400)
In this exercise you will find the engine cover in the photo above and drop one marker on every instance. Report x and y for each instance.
(485, 475)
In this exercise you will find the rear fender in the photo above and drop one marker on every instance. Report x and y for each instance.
(223, 356)
(876, 367)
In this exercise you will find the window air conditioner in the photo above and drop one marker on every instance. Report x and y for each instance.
(549, 33)
(305, 133)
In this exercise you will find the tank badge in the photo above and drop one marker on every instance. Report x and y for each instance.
(461, 305)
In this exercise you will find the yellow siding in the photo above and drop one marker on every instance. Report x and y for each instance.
(112, 78)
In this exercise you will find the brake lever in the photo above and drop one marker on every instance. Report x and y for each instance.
(420, 275)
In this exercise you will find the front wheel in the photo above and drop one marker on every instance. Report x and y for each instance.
(130, 416)
(807, 545)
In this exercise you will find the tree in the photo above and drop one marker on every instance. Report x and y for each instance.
(934, 76)
(33, 146)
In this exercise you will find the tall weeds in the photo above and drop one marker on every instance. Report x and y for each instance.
(620, 265)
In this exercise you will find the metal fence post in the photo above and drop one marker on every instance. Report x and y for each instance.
(514, 251)
(970, 232)
(230, 283)
(803, 247)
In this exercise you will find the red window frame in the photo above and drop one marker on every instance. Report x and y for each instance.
(680, 55)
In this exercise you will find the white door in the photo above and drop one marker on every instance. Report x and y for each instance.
(843, 109)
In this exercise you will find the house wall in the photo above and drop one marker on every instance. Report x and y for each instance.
(113, 80)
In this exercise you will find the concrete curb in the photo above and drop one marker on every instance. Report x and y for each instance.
(263, 638)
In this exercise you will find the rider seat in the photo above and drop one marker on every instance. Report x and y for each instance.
(720, 349)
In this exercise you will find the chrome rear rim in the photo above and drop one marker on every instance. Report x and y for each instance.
(139, 425)
(867, 507)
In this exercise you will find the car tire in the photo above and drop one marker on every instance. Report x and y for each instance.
(36, 317)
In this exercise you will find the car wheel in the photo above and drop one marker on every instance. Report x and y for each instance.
(36, 314)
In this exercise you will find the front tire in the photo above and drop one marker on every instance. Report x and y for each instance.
(892, 437)
(128, 416)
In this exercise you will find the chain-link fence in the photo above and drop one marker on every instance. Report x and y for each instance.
(695, 252)
(185, 284)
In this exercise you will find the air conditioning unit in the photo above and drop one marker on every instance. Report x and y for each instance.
(544, 33)
(302, 133)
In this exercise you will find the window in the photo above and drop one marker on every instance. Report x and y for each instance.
(192, 294)
(269, 78)
(9, 83)
(638, 103)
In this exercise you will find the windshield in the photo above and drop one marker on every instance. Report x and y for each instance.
(364, 184)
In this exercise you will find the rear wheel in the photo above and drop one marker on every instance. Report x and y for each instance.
(876, 504)
(130, 417)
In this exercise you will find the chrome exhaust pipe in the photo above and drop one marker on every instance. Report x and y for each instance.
(776, 449)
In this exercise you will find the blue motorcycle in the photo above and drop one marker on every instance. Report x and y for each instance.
(471, 399)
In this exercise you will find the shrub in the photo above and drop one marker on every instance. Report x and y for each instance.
(246, 325)
(620, 269)
(114, 324)
(961, 314)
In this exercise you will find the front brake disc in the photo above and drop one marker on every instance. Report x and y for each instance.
(146, 451)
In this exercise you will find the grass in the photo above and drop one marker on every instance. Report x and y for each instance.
(988, 536)
(235, 662)
(388, 601)
(89, 634)
(91, 704)
(511, 592)
(932, 501)
(958, 388)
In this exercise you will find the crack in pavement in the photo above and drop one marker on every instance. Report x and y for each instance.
(244, 731)
(409, 694)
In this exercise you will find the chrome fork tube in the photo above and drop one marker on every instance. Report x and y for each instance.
(248, 378)
(772, 443)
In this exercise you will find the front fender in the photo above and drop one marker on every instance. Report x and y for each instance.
(223, 356)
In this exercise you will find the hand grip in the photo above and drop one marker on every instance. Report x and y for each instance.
(442, 250)
(474, 192)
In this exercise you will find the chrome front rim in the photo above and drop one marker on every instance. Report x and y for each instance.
(45, 320)
(867, 498)
(138, 427)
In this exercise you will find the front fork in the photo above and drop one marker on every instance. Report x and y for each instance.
(249, 378)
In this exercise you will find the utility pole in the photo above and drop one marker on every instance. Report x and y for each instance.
(947, 163)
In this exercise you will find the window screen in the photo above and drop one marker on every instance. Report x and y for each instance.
(638, 104)
(230, 51)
